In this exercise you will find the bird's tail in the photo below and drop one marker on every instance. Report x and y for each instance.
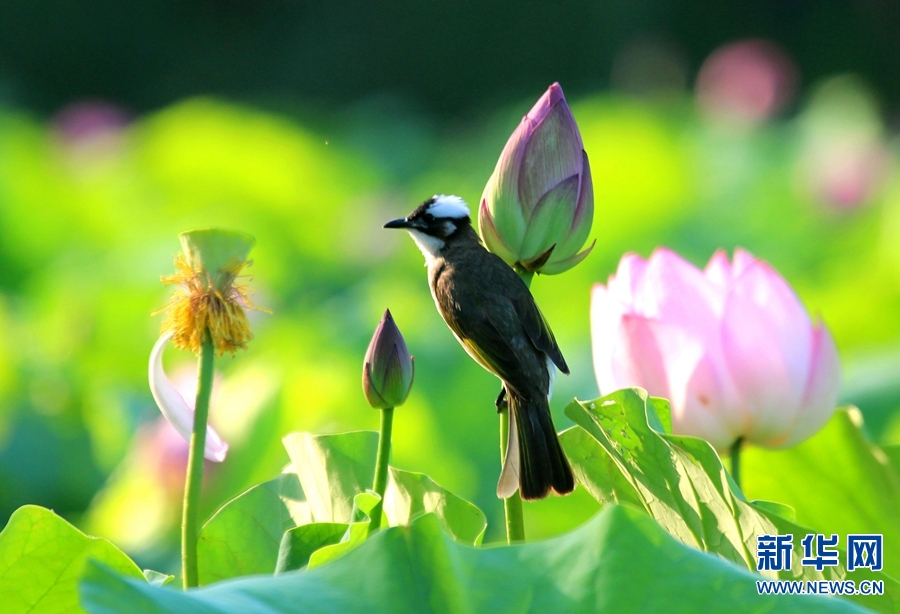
(534, 461)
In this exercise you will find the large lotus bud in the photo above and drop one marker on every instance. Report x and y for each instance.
(537, 208)
(731, 347)
(388, 367)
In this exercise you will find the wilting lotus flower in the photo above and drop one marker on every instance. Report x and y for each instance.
(175, 408)
(210, 298)
(731, 347)
(388, 368)
(537, 208)
(209, 307)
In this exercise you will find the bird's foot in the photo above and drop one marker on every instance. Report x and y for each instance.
(501, 402)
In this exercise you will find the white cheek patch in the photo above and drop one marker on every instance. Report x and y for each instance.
(429, 246)
(449, 206)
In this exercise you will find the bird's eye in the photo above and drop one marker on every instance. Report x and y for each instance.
(428, 218)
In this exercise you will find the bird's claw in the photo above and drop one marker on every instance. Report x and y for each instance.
(501, 402)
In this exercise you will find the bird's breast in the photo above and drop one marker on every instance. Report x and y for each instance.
(449, 304)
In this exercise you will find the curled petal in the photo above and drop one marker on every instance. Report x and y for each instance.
(537, 263)
(175, 409)
(561, 266)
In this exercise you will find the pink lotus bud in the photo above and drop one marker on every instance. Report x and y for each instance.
(388, 367)
(537, 208)
(731, 347)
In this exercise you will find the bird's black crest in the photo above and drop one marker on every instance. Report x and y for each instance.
(420, 210)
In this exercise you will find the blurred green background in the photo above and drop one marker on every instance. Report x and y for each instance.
(308, 126)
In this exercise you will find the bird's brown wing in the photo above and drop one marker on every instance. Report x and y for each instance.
(492, 350)
(508, 326)
(538, 330)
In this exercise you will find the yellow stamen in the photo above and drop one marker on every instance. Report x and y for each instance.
(198, 306)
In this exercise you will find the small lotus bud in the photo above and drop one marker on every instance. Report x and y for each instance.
(388, 368)
(537, 208)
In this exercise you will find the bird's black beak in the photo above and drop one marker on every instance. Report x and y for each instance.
(399, 223)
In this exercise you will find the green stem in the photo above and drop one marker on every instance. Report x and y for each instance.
(525, 276)
(512, 506)
(381, 465)
(735, 454)
(190, 526)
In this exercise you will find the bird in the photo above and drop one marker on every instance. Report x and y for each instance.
(495, 318)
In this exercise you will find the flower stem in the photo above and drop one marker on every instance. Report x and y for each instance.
(735, 454)
(512, 506)
(381, 465)
(191, 517)
(524, 275)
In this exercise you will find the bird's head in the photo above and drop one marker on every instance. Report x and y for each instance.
(435, 222)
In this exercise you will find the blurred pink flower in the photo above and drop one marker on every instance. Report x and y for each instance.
(748, 81)
(159, 455)
(164, 451)
(92, 135)
(731, 347)
(88, 120)
(845, 175)
(843, 160)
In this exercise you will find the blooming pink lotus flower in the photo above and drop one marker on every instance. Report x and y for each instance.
(731, 347)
